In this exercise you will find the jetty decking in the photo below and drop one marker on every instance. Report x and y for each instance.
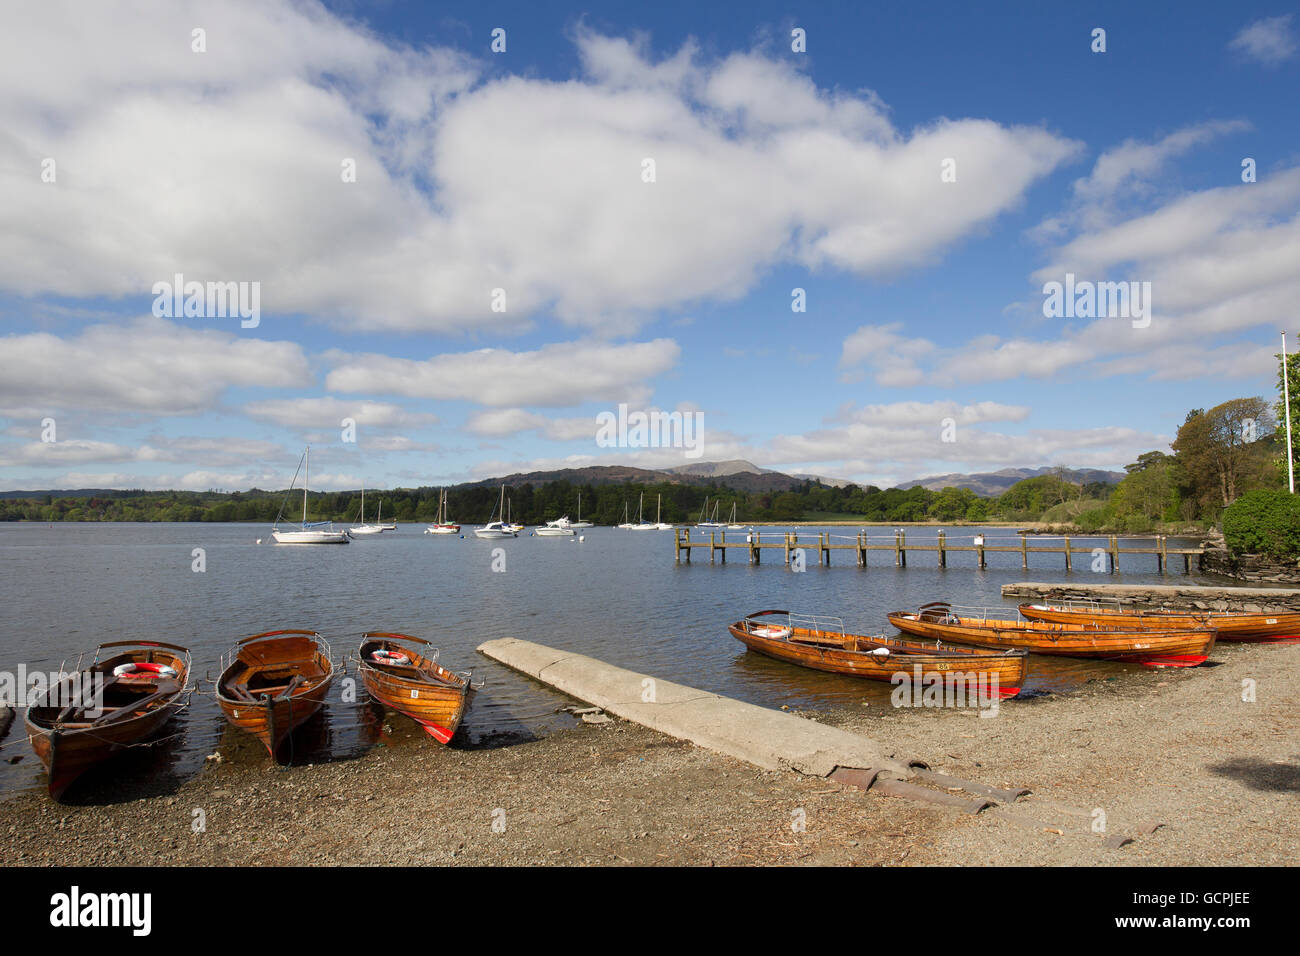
(753, 543)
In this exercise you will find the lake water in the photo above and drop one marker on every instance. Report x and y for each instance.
(617, 595)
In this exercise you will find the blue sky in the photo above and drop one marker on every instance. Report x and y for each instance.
(523, 171)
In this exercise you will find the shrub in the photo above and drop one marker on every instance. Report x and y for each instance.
(1263, 522)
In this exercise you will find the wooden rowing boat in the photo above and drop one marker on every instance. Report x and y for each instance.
(1169, 647)
(400, 677)
(115, 703)
(822, 644)
(274, 682)
(1278, 627)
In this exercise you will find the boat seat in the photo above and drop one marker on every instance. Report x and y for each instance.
(815, 638)
(240, 692)
(166, 688)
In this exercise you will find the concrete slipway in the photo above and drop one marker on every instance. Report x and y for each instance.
(770, 739)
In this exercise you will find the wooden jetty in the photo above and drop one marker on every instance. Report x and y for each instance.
(753, 543)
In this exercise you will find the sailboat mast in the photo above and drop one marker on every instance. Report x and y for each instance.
(306, 480)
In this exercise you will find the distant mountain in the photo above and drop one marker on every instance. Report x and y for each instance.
(717, 469)
(990, 484)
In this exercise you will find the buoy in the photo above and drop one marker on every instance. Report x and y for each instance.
(582, 537)
(259, 540)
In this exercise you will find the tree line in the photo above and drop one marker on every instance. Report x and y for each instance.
(1218, 455)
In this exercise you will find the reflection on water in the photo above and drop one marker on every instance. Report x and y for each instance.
(616, 596)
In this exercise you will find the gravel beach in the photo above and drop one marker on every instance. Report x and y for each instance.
(1176, 747)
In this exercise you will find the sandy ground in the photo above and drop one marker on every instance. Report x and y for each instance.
(1175, 747)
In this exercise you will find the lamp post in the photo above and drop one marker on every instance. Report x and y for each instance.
(1286, 405)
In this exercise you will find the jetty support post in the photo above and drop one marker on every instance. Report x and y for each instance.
(755, 552)
(787, 549)
(943, 551)
(824, 549)
(1024, 552)
(1162, 556)
(979, 550)
(862, 549)
(713, 545)
(1114, 553)
(1068, 557)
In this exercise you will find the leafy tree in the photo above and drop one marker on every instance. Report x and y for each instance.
(1263, 521)
(1226, 451)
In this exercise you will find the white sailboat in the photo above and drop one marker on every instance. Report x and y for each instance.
(514, 526)
(498, 528)
(580, 523)
(364, 528)
(661, 525)
(626, 525)
(308, 534)
(641, 523)
(442, 524)
(733, 526)
(713, 521)
(391, 526)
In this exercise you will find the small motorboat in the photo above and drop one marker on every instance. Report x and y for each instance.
(560, 527)
(274, 682)
(821, 643)
(114, 703)
(400, 674)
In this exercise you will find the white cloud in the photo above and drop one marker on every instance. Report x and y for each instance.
(503, 422)
(891, 356)
(1132, 164)
(149, 366)
(562, 373)
(464, 185)
(330, 413)
(1268, 40)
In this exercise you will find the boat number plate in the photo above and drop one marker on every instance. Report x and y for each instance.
(941, 667)
(415, 694)
(236, 713)
(1270, 620)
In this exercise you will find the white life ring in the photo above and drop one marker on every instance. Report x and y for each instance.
(777, 633)
(389, 657)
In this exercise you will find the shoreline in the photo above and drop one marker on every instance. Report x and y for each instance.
(1178, 747)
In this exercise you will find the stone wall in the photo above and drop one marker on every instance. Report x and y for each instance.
(1160, 595)
(1255, 568)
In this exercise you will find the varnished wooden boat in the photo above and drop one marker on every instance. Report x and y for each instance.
(1281, 627)
(398, 674)
(1169, 647)
(115, 703)
(274, 682)
(822, 644)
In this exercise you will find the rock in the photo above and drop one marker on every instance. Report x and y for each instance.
(596, 718)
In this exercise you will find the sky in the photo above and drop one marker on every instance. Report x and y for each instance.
(465, 232)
